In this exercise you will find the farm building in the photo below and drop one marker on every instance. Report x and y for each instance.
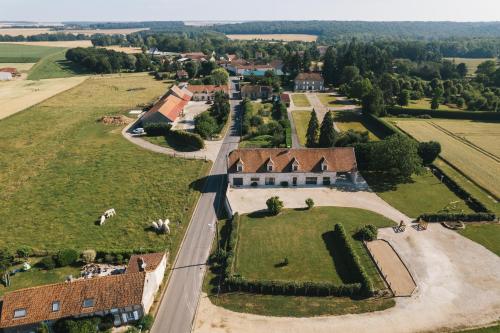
(5, 76)
(13, 71)
(309, 82)
(126, 297)
(256, 92)
(205, 92)
(169, 107)
(294, 167)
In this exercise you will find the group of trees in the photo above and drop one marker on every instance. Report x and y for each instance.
(324, 136)
(102, 61)
(209, 123)
(43, 37)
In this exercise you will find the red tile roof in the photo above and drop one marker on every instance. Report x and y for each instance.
(152, 261)
(172, 104)
(285, 98)
(11, 70)
(255, 160)
(109, 292)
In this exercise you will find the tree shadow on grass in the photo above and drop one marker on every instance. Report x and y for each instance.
(340, 260)
(259, 214)
(70, 66)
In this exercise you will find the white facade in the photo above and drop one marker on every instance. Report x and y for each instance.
(309, 85)
(325, 178)
(152, 283)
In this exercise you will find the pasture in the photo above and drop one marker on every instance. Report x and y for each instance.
(305, 237)
(61, 169)
(471, 63)
(55, 66)
(36, 31)
(471, 147)
(25, 53)
(275, 37)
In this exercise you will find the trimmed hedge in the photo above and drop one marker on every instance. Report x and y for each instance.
(443, 217)
(236, 282)
(381, 126)
(343, 243)
(191, 139)
(157, 129)
(471, 115)
(471, 201)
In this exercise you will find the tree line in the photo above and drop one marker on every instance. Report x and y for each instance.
(103, 61)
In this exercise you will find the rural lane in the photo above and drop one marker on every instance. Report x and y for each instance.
(180, 300)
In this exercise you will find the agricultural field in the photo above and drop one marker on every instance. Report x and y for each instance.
(300, 100)
(304, 237)
(128, 50)
(471, 147)
(55, 66)
(471, 63)
(61, 169)
(36, 31)
(276, 37)
(18, 95)
(57, 43)
(25, 53)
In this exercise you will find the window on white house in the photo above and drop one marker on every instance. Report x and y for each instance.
(19, 313)
(270, 181)
(239, 168)
(324, 167)
(295, 167)
(56, 306)
(269, 167)
(89, 302)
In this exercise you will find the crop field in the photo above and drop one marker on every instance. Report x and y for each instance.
(36, 31)
(61, 169)
(277, 37)
(304, 237)
(25, 53)
(471, 147)
(18, 95)
(58, 43)
(471, 63)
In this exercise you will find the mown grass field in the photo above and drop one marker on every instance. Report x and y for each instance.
(289, 306)
(305, 237)
(424, 193)
(55, 66)
(38, 277)
(471, 63)
(23, 53)
(487, 235)
(61, 169)
(300, 100)
(471, 147)
(425, 103)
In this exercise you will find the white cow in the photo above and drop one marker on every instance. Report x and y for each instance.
(107, 214)
(161, 226)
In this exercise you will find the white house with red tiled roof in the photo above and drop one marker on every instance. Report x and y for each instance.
(292, 167)
(126, 297)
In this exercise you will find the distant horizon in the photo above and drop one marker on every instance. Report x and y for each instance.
(259, 10)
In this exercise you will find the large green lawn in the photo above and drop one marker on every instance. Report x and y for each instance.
(305, 237)
(25, 53)
(422, 194)
(487, 235)
(55, 66)
(61, 169)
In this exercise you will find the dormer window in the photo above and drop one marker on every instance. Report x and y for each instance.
(239, 165)
(324, 164)
(295, 165)
(270, 165)
(19, 313)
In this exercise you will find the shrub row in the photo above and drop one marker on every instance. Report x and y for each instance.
(471, 201)
(381, 127)
(231, 246)
(472, 115)
(475, 217)
(296, 288)
(343, 243)
(157, 129)
(190, 139)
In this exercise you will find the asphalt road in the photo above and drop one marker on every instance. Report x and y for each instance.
(179, 303)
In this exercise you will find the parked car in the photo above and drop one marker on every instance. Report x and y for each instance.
(139, 131)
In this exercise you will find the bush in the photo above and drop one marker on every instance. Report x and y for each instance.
(43, 328)
(146, 322)
(24, 251)
(66, 257)
(157, 129)
(274, 205)
(190, 139)
(88, 325)
(429, 151)
(48, 263)
(89, 256)
(368, 232)
(107, 323)
(309, 203)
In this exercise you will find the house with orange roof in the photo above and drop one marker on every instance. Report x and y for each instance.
(169, 107)
(125, 297)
